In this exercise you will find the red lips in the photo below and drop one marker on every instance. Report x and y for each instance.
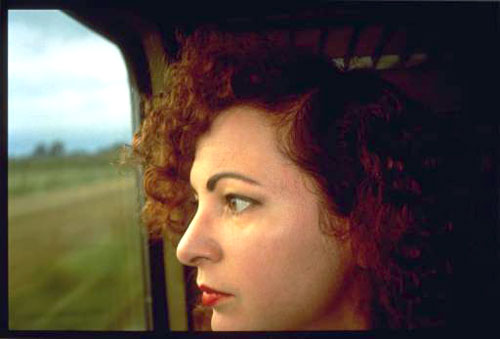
(210, 297)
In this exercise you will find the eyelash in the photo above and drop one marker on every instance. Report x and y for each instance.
(227, 202)
(230, 197)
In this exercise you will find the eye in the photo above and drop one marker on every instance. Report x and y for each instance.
(238, 204)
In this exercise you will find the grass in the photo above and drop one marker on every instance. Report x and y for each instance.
(43, 174)
(74, 263)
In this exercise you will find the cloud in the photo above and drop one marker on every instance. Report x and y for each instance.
(63, 79)
(87, 58)
(42, 23)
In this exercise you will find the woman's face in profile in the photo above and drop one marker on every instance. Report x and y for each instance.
(256, 237)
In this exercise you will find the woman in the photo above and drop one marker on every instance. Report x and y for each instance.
(295, 190)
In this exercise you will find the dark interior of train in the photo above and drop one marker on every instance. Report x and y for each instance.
(444, 55)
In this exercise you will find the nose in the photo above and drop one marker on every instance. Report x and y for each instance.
(198, 244)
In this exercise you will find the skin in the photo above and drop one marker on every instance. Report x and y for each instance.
(265, 248)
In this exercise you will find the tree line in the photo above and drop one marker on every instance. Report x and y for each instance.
(57, 149)
(53, 150)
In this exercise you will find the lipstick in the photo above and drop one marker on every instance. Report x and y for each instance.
(211, 297)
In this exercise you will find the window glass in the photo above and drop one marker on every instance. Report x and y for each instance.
(76, 253)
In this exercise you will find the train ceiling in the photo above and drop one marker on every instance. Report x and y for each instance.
(419, 46)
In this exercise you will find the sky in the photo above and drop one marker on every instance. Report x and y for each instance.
(65, 83)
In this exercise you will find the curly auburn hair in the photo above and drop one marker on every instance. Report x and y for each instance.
(370, 150)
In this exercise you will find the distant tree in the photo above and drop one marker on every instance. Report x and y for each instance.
(40, 150)
(57, 149)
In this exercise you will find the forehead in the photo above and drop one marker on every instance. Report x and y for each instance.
(240, 139)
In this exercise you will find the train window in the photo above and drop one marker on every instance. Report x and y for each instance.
(76, 252)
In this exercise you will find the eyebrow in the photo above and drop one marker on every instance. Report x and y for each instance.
(216, 177)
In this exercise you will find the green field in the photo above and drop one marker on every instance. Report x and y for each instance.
(75, 252)
(44, 174)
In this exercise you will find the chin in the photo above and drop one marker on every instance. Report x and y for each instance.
(221, 323)
(229, 323)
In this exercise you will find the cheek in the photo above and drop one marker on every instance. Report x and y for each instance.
(280, 248)
(286, 271)
(258, 254)
(254, 250)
